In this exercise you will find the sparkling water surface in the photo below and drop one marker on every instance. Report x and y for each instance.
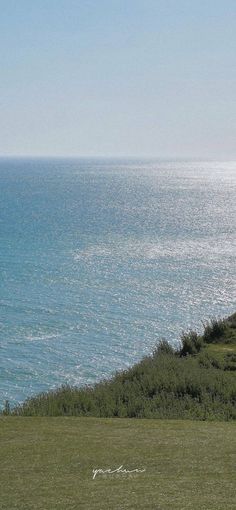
(100, 259)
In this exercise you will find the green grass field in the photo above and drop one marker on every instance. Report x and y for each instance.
(47, 463)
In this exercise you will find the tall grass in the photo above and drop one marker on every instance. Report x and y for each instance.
(187, 383)
(214, 330)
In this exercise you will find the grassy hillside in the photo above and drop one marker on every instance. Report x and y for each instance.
(47, 464)
(198, 381)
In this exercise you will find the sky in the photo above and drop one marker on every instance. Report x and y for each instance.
(125, 78)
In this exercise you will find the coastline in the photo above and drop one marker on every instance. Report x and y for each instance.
(195, 381)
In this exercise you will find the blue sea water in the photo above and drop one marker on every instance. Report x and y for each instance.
(100, 259)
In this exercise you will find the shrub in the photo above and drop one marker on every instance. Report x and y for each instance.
(191, 343)
(164, 347)
(214, 330)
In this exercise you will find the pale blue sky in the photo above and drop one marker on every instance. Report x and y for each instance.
(118, 78)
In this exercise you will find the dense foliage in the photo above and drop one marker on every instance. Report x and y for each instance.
(198, 381)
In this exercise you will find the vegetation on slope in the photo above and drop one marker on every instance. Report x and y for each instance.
(198, 381)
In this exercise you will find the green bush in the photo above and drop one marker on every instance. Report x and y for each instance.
(214, 330)
(191, 343)
(164, 347)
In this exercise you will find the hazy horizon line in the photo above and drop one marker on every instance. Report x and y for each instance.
(114, 156)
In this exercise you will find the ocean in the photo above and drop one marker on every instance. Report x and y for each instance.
(102, 258)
